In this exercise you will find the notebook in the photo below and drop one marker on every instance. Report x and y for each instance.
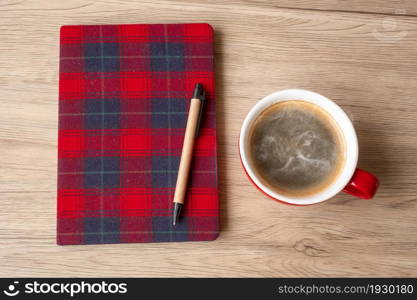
(124, 92)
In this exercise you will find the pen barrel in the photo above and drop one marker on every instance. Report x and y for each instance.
(187, 150)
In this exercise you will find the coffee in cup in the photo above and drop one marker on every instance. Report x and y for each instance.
(296, 148)
(300, 148)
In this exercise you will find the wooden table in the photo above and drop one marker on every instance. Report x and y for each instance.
(362, 54)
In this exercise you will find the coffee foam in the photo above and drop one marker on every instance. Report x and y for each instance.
(296, 148)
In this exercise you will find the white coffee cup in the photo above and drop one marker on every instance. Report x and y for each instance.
(350, 179)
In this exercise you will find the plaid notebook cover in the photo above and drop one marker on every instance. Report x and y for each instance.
(124, 93)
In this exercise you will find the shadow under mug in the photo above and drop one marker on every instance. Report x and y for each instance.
(351, 179)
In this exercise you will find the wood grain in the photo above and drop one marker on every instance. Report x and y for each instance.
(354, 52)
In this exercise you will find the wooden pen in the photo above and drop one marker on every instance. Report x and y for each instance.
(191, 133)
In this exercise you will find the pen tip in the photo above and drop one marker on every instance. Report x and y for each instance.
(176, 213)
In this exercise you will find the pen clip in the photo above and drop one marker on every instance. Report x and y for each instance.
(200, 94)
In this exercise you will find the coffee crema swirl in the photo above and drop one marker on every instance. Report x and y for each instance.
(296, 148)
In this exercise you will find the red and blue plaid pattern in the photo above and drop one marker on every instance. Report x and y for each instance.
(124, 93)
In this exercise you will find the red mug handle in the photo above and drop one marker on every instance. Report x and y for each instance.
(362, 184)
